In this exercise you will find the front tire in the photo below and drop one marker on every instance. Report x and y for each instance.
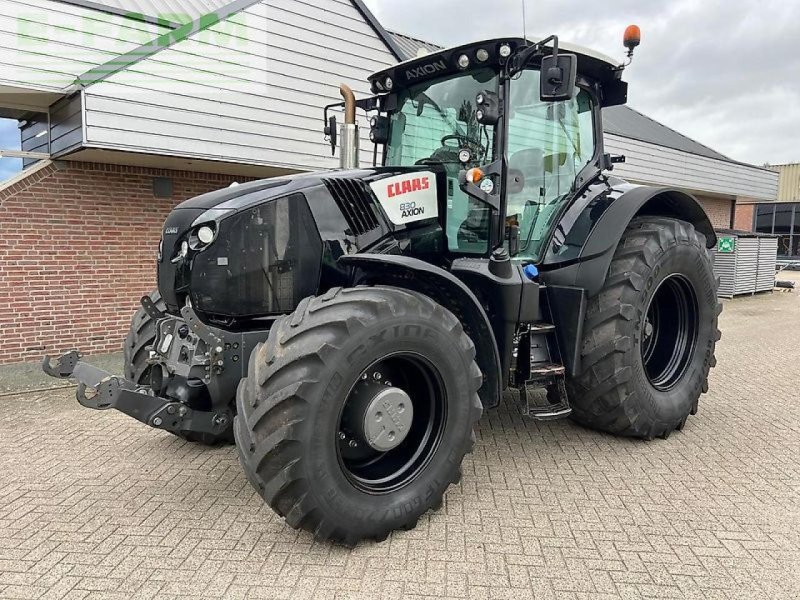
(650, 334)
(308, 426)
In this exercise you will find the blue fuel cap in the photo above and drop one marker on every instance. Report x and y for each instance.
(531, 272)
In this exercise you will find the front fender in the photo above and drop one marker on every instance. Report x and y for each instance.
(585, 242)
(447, 290)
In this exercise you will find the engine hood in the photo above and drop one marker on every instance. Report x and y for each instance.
(349, 210)
(246, 194)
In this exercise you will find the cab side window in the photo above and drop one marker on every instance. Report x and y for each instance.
(549, 143)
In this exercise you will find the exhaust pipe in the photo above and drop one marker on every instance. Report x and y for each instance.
(350, 141)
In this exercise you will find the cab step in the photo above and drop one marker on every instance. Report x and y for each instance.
(546, 369)
(550, 406)
(541, 327)
(539, 375)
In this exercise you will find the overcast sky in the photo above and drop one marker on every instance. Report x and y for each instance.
(9, 140)
(724, 72)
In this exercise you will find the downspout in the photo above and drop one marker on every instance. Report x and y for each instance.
(350, 142)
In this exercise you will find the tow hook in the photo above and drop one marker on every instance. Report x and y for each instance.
(109, 391)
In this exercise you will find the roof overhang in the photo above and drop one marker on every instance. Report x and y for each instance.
(17, 101)
(175, 163)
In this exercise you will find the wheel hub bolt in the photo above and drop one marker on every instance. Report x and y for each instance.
(353, 443)
(377, 376)
(157, 421)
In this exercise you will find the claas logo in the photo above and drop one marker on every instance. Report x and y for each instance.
(409, 185)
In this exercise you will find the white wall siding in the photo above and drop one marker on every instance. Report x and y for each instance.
(650, 163)
(250, 89)
(46, 45)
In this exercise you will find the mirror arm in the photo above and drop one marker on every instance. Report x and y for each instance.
(520, 61)
(474, 191)
(330, 126)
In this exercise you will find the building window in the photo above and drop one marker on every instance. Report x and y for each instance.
(781, 219)
(765, 217)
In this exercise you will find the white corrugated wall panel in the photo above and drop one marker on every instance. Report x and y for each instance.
(250, 89)
(650, 163)
(725, 270)
(767, 261)
(46, 45)
(747, 250)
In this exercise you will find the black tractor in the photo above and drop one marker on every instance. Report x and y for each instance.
(348, 328)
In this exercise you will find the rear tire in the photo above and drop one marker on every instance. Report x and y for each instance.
(292, 419)
(140, 338)
(650, 334)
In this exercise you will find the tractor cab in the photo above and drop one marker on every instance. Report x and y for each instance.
(514, 126)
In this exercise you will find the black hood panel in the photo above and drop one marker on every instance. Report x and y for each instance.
(336, 208)
(250, 193)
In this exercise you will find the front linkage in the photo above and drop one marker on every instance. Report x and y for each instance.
(139, 402)
(184, 349)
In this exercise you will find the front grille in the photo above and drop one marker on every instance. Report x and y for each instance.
(355, 200)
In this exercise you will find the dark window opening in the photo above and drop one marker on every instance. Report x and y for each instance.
(765, 217)
(783, 220)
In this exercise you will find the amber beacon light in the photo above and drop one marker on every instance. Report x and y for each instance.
(632, 38)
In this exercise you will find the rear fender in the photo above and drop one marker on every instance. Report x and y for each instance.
(589, 270)
(447, 290)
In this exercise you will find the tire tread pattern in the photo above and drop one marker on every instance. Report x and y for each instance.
(600, 396)
(274, 400)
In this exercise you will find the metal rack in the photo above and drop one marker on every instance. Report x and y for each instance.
(749, 268)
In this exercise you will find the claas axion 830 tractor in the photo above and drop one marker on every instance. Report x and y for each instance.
(348, 328)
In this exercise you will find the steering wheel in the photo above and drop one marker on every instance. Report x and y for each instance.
(462, 140)
(449, 153)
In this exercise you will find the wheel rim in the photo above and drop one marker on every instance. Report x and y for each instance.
(669, 332)
(398, 376)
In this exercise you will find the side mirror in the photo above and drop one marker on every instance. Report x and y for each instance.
(332, 131)
(558, 75)
(379, 129)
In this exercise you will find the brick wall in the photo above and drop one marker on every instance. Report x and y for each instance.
(718, 210)
(78, 243)
(744, 217)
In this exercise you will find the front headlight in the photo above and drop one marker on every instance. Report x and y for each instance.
(205, 234)
(182, 253)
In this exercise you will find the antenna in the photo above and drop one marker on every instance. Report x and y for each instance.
(524, 21)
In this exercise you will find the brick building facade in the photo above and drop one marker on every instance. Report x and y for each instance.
(78, 249)
(720, 210)
(745, 213)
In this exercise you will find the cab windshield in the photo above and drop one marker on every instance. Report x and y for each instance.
(434, 122)
(548, 144)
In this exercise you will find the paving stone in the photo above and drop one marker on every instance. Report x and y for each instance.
(95, 505)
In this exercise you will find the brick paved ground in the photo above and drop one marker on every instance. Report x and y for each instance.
(95, 505)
